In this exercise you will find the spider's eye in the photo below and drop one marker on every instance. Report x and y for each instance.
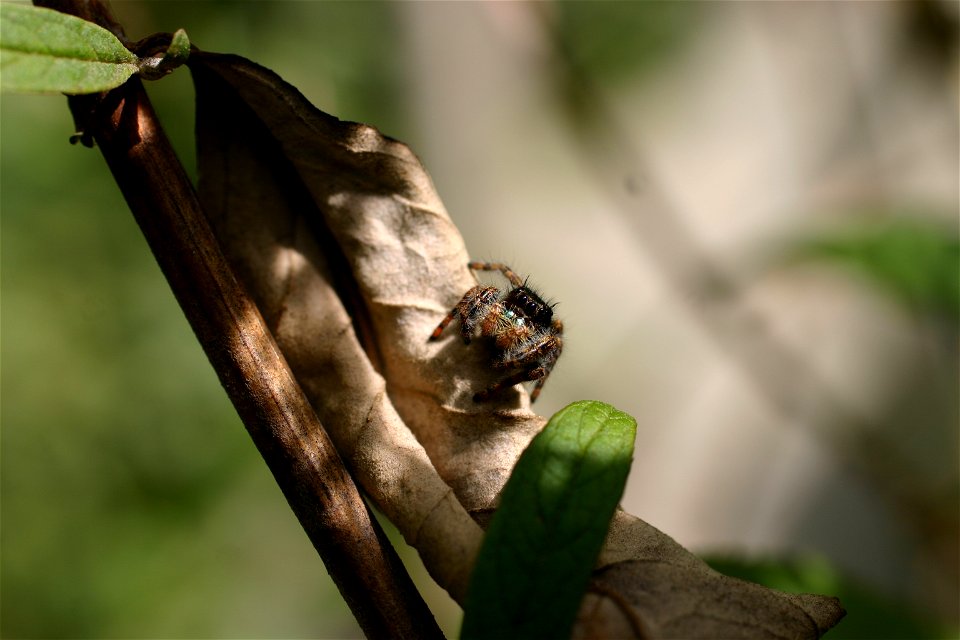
(530, 305)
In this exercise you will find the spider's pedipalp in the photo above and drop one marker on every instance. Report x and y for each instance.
(471, 309)
(474, 307)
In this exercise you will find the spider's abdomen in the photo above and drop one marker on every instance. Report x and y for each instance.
(525, 303)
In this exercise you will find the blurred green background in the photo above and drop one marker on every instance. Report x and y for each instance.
(134, 504)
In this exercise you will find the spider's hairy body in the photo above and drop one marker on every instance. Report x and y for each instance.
(526, 337)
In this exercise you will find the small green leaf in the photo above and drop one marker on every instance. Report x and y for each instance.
(42, 50)
(179, 48)
(544, 539)
(177, 53)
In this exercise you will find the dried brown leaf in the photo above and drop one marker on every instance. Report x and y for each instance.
(271, 228)
(648, 586)
(340, 235)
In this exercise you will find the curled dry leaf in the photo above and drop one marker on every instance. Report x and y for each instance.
(648, 586)
(273, 231)
(340, 236)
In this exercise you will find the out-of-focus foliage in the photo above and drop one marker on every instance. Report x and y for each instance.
(917, 262)
(869, 614)
(606, 43)
(343, 56)
(617, 40)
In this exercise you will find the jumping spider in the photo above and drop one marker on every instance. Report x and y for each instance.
(526, 336)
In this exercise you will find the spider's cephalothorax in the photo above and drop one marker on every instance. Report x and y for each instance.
(526, 336)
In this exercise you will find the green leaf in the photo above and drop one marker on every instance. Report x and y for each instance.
(179, 48)
(544, 539)
(916, 262)
(42, 50)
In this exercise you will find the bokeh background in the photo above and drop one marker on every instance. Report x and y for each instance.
(748, 214)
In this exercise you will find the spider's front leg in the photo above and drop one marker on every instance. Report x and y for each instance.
(538, 374)
(471, 309)
(443, 324)
(507, 272)
(539, 386)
